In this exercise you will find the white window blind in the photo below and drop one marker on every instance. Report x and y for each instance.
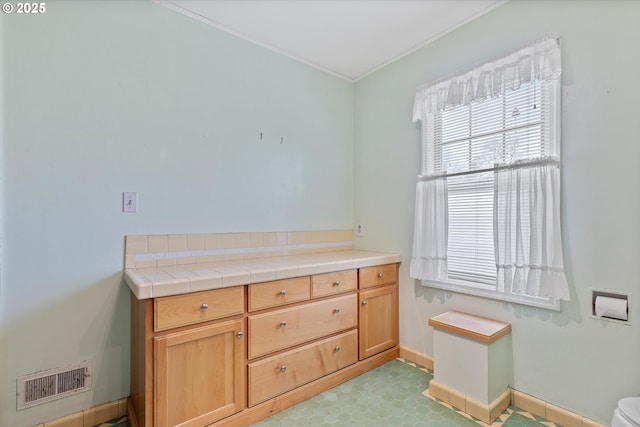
(470, 243)
(486, 132)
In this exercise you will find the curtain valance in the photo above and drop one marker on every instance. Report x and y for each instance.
(538, 61)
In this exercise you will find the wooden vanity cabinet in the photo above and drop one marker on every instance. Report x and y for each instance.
(378, 321)
(234, 356)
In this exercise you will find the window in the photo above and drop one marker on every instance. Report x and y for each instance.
(490, 153)
(475, 137)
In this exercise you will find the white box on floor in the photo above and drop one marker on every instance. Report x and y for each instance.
(472, 359)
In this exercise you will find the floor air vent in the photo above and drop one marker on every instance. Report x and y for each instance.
(51, 384)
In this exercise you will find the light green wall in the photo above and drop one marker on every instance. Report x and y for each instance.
(102, 97)
(566, 357)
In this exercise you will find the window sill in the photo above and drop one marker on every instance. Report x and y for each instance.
(484, 292)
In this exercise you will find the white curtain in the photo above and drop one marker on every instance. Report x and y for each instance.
(527, 237)
(538, 61)
(429, 260)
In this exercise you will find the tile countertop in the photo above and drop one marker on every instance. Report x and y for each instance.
(156, 282)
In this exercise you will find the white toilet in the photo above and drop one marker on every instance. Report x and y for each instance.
(627, 414)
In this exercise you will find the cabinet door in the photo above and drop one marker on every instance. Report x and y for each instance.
(200, 375)
(378, 320)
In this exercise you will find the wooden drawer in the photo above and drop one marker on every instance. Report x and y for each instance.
(187, 309)
(279, 292)
(283, 372)
(333, 283)
(279, 329)
(378, 275)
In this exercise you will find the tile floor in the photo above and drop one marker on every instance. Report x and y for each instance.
(118, 422)
(392, 395)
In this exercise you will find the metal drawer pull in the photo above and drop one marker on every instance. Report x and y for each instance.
(380, 275)
(283, 292)
(337, 309)
(204, 307)
(336, 283)
(338, 348)
(283, 368)
(283, 323)
(364, 302)
(240, 334)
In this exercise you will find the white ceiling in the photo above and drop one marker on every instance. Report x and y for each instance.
(348, 38)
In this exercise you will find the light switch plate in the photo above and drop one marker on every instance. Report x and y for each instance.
(129, 202)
